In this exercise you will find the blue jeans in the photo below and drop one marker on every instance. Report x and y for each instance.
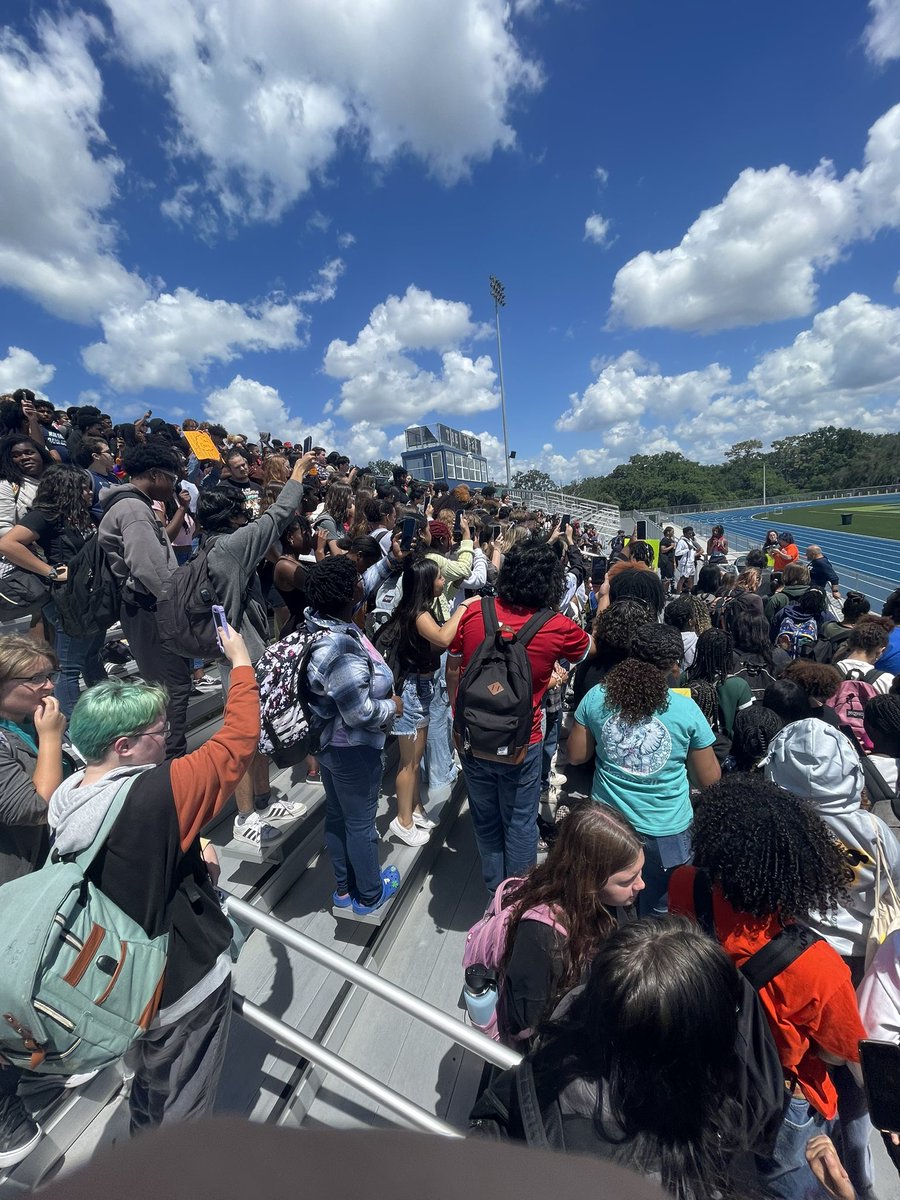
(439, 764)
(351, 776)
(504, 804)
(661, 856)
(786, 1174)
(418, 693)
(77, 656)
(551, 741)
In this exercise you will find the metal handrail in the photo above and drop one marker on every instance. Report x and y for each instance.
(464, 1035)
(331, 1062)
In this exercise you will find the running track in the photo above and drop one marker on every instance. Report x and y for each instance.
(870, 565)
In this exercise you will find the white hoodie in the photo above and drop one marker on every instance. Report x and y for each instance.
(815, 760)
(879, 992)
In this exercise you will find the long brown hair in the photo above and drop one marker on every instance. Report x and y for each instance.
(593, 843)
(360, 526)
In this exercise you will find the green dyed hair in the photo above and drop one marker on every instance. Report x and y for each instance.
(111, 710)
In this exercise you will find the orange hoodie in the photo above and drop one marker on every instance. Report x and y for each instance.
(810, 1004)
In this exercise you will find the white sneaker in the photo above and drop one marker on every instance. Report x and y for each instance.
(421, 820)
(207, 683)
(557, 779)
(253, 831)
(74, 1081)
(412, 836)
(280, 812)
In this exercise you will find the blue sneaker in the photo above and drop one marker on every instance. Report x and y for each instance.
(341, 901)
(390, 883)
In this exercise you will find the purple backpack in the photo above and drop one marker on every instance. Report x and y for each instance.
(486, 941)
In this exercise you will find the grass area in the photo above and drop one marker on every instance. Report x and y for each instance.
(872, 520)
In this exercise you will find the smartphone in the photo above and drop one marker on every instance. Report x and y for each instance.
(221, 624)
(307, 445)
(457, 523)
(641, 531)
(565, 520)
(496, 531)
(410, 525)
(599, 567)
(880, 1063)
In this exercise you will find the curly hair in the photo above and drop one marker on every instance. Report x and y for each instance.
(216, 507)
(614, 627)
(713, 657)
(62, 499)
(819, 680)
(754, 728)
(881, 718)
(633, 583)
(870, 634)
(637, 690)
(8, 469)
(680, 614)
(855, 606)
(641, 552)
(532, 576)
(659, 645)
(143, 457)
(768, 850)
(702, 617)
(593, 844)
(331, 585)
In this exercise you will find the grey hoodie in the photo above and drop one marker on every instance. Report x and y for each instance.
(815, 760)
(76, 813)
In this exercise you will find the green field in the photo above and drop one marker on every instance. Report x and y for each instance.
(873, 520)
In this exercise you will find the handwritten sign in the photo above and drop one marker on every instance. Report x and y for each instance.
(202, 445)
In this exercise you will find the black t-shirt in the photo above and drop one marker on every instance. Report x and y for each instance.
(59, 543)
(54, 440)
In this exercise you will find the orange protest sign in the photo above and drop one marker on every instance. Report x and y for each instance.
(202, 444)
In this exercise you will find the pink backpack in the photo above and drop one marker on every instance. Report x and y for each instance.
(849, 701)
(486, 941)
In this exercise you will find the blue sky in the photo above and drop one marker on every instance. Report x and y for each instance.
(282, 215)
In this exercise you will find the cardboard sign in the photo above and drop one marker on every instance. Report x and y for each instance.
(202, 445)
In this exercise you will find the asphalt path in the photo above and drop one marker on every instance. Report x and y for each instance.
(870, 565)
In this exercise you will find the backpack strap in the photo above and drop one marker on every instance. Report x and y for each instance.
(85, 857)
(533, 624)
(778, 954)
(872, 676)
(703, 903)
(489, 617)
(530, 1108)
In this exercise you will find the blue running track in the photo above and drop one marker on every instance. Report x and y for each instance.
(870, 565)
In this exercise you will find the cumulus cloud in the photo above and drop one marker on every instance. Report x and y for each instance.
(381, 381)
(325, 287)
(596, 229)
(59, 174)
(755, 256)
(628, 386)
(21, 368)
(882, 35)
(263, 95)
(247, 406)
(164, 341)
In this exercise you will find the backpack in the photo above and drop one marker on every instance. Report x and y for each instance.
(183, 615)
(289, 730)
(757, 677)
(797, 633)
(68, 1005)
(386, 600)
(486, 943)
(495, 701)
(387, 640)
(760, 1085)
(849, 701)
(89, 600)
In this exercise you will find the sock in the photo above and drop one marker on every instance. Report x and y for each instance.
(263, 800)
(243, 818)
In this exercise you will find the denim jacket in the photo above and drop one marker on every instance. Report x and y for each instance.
(349, 684)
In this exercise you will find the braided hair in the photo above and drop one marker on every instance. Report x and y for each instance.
(881, 718)
(754, 728)
(712, 658)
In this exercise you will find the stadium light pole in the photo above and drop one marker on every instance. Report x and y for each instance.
(499, 297)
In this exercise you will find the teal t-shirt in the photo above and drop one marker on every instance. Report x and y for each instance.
(641, 769)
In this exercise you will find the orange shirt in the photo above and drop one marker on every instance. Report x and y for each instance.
(810, 1004)
(784, 555)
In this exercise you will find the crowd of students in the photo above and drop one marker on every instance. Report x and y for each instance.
(732, 755)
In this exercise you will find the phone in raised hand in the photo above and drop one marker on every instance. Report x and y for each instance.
(457, 523)
(410, 525)
(221, 623)
(307, 445)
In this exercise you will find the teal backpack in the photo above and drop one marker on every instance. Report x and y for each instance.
(80, 981)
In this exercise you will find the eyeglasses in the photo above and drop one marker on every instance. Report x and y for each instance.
(37, 680)
(163, 733)
(171, 475)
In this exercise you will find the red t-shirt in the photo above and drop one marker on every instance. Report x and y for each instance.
(559, 638)
(811, 1003)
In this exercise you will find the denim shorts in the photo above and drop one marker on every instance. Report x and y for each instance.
(418, 692)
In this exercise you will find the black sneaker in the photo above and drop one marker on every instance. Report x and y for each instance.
(19, 1134)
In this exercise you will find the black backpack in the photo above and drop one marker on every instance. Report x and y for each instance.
(757, 677)
(495, 702)
(183, 611)
(90, 598)
(387, 639)
(761, 1080)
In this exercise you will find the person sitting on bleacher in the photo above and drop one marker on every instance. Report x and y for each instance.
(152, 867)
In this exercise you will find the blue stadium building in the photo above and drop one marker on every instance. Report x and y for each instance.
(439, 452)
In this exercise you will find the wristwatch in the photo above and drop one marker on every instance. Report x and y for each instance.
(52, 575)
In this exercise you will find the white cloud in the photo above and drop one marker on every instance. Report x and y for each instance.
(882, 34)
(326, 286)
(161, 343)
(263, 95)
(318, 221)
(247, 406)
(59, 175)
(596, 229)
(601, 175)
(21, 368)
(755, 256)
(346, 240)
(382, 382)
(628, 387)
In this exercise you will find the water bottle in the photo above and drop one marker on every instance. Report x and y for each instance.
(480, 993)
